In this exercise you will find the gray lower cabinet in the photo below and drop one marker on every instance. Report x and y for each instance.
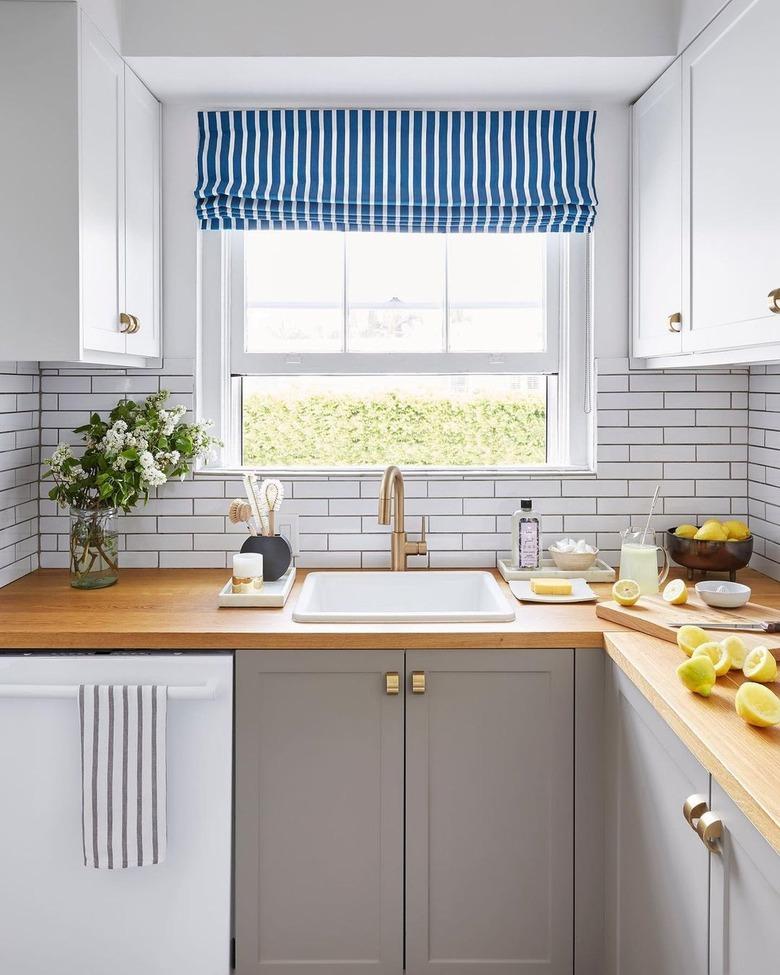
(319, 813)
(657, 875)
(489, 807)
(745, 896)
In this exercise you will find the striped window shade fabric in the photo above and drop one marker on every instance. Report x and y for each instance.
(367, 169)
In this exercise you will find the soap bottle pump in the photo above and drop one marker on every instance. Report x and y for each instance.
(526, 538)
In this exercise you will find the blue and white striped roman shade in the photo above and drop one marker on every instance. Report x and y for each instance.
(366, 169)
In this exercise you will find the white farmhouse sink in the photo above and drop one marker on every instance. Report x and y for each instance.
(401, 597)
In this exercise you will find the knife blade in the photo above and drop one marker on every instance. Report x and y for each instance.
(761, 626)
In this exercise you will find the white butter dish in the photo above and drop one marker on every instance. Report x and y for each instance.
(580, 593)
(273, 594)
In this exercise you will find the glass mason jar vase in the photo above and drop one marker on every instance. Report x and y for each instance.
(94, 548)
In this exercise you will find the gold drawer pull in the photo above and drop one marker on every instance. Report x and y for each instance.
(774, 297)
(418, 682)
(676, 319)
(130, 323)
(392, 683)
(693, 808)
(710, 830)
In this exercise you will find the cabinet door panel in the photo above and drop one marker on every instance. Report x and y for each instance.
(745, 891)
(731, 80)
(142, 215)
(101, 127)
(657, 215)
(489, 873)
(657, 869)
(319, 813)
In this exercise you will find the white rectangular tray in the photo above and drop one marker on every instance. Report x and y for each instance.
(272, 593)
(598, 572)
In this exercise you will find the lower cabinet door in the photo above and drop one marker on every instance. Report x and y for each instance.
(657, 873)
(745, 896)
(319, 813)
(489, 807)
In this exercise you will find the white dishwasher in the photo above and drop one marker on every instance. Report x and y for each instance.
(58, 916)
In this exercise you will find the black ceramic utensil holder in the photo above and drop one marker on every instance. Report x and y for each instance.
(276, 553)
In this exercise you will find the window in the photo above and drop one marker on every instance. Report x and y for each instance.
(433, 350)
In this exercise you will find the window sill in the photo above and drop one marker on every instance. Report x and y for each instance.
(410, 473)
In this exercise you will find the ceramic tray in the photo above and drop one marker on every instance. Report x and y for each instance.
(580, 593)
(598, 572)
(272, 593)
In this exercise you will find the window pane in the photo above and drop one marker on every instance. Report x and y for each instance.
(496, 285)
(294, 291)
(395, 292)
(354, 421)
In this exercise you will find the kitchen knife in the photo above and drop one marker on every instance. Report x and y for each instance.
(766, 626)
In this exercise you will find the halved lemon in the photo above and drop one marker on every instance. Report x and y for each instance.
(737, 651)
(717, 653)
(760, 665)
(698, 674)
(675, 592)
(689, 637)
(757, 705)
(625, 592)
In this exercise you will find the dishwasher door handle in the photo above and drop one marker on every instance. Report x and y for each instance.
(176, 692)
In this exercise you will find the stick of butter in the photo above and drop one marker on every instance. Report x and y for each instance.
(551, 587)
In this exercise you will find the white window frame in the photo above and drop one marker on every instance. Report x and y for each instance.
(567, 362)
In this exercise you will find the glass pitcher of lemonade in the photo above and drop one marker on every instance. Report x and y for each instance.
(639, 561)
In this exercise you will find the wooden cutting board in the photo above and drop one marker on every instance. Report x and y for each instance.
(652, 615)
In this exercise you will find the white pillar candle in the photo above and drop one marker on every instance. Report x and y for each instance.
(247, 572)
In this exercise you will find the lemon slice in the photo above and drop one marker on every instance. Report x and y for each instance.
(737, 651)
(675, 592)
(625, 592)
(689, 637)
(717, 653)
(698, 674)
(760, 665)
(757, 705)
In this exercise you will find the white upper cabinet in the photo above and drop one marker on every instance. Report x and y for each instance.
(657, 217)
(79, 274)
(731, 80)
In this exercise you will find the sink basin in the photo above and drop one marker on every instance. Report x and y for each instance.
(402, 597)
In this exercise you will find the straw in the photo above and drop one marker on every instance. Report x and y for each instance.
(650, 515)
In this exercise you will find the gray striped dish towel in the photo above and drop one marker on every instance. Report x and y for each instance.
(123, 774)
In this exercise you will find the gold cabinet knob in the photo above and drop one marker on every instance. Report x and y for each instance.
(710, 830)
(126, 323)
(676, 320)
(392, 682)
(774, 298)
(136, 325)
(418, 682)
(693, 808)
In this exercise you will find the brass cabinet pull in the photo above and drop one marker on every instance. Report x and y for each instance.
(418, 682)
(676, 319)
(136, 325)
(693, 808)
(710, 830)
(127, 322)
(392, 682)
(774, 297)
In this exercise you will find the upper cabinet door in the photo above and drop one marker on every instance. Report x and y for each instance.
(101, 107)
(745, 896)
(657, 217)
(142, 216)
(489, 832)
(731, 80)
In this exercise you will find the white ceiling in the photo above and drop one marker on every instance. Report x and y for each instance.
(442, 82)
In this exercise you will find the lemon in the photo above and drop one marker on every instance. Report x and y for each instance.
(689, 637)
(675, 592)
(736, 530)
(737, 651)
(760, 665)
(717, 653)
(625, 592)
(757, 705)
(711, 531)
(685, 531)
(710, 521)
(698, 674)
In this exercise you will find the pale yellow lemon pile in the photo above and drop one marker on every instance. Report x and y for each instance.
(715, 531)
(709, 659)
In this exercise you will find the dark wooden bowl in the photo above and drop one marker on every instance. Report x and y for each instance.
(708, 556)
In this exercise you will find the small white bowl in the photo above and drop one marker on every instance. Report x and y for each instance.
(573, 561)
(724, 595)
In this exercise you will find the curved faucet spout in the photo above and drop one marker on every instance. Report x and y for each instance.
(392, 485)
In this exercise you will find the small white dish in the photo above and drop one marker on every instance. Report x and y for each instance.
(573, 561)
(580, 593)
(723, 595)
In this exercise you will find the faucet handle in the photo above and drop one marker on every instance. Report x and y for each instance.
(422, 545)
